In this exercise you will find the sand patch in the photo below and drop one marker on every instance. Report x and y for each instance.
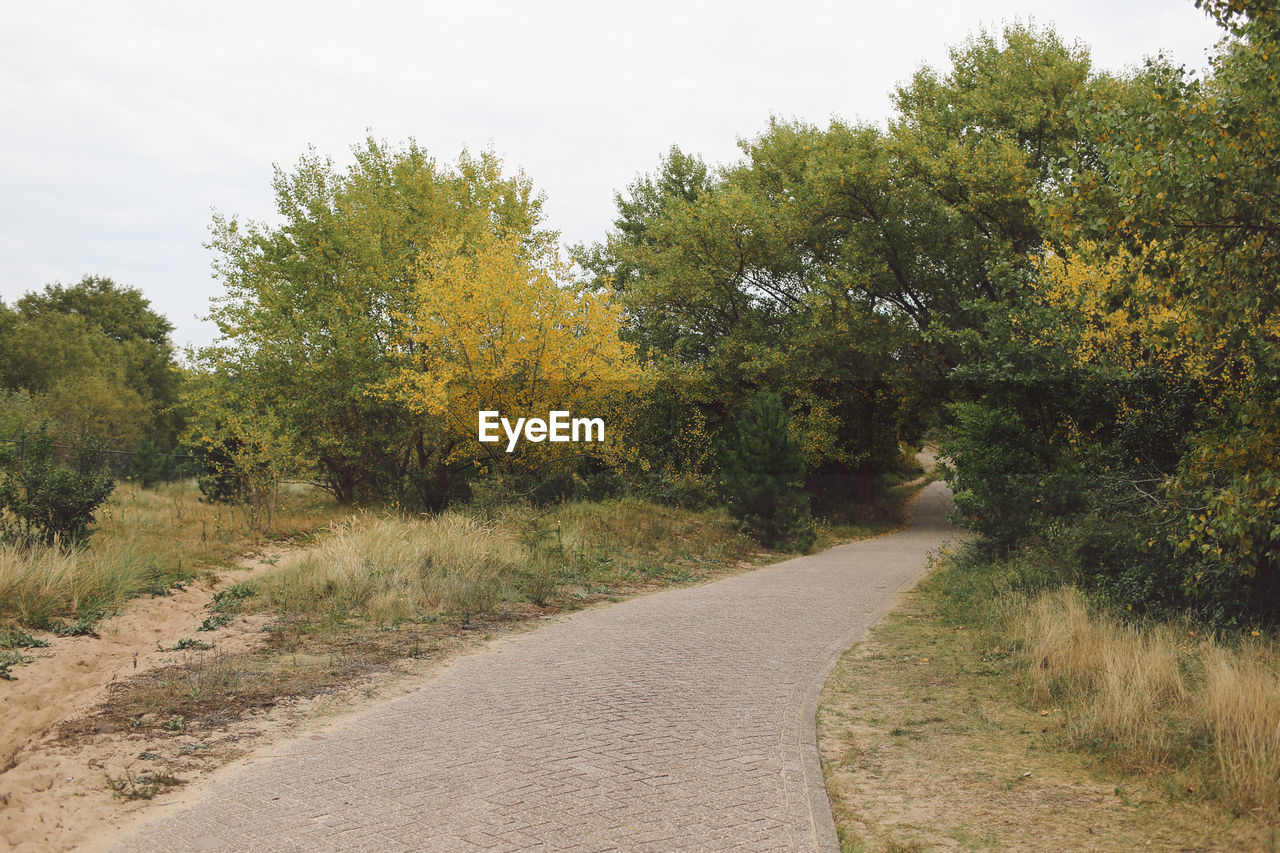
(42, 781)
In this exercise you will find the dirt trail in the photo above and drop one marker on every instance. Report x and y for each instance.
(73, 676)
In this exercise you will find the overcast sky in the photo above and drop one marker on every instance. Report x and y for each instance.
(125, 124)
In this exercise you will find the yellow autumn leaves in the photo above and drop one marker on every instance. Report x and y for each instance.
(1120, 309)
(497, 325)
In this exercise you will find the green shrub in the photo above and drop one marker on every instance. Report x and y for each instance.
(1006, 480)
(1220, 523)
(42, 501)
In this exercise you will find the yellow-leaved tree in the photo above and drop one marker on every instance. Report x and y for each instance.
(501, 325)
(1122, 310)
(1127, 315)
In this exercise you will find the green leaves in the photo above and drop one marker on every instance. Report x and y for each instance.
(838, 265)
(312, 316)
(43, 501)
(1154, 304)
(763, 475)
(1221, 517)
(96, 360)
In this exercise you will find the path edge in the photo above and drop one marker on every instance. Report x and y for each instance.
(826, 839)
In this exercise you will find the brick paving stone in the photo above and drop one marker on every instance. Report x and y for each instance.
(681, 720)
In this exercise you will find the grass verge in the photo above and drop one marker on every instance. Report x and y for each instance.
(1161, 700)
(390, 570)
(996, 709)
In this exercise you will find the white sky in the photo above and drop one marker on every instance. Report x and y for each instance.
(125, 123)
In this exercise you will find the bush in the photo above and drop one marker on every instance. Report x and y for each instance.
(763, 474)
(244, 474)
(44, 502)
(677, 487)
(1221, 522)
(222, 477)
(1006, 480)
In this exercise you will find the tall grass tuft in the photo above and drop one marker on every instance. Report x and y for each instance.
(389, 570)
(1239, 708)
(1160, 698)
(394, 569)
(41, 584)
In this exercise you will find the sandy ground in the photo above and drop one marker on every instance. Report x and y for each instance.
(53, 793)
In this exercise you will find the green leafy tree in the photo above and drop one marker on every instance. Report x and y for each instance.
(310, 319)
(839, 265)
(679, 179)
(242, 451)
(723, 293)
(150, 466)
(98, 360)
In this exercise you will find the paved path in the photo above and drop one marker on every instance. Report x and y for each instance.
(678, 720)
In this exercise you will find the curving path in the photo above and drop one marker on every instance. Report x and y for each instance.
(678, 720)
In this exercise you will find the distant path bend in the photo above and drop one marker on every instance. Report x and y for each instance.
(678, 720)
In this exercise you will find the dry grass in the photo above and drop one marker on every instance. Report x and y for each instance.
(1002, 708)
(1238, 706)
(39, 585)
(389, 570)
(175, 526)
(144, 541)
(929, 742)
(630, 541)
(208, 689)
(1161, 699)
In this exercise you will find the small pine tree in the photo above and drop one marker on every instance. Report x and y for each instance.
(762, 475)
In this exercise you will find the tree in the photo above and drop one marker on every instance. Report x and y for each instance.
(764, 475)
(121, 313)
(723, 290)
(1176, 256)
(243, 450)
(97, 359)
(838, 265)
(502, 328)
(679, 179)
(313, 307)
